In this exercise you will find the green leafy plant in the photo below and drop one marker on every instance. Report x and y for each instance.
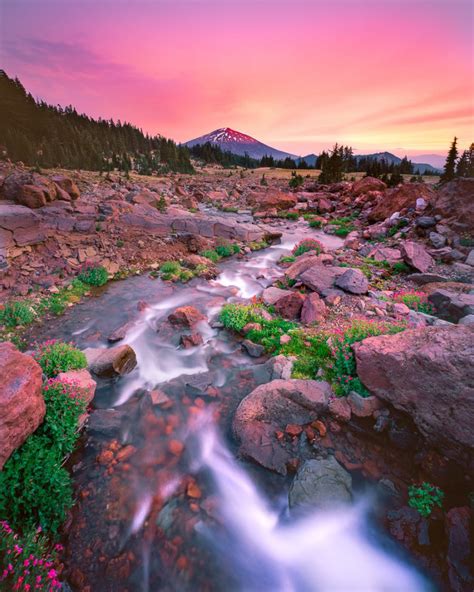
(212, 255)
(93, 275)
(315, 223)
(400, 267)
(56, 356)
(288, 259)
(296, 180)
(424, 498)
(17, 313)
(258, 245)
(227, 250)
(415, 300)
(288, 215)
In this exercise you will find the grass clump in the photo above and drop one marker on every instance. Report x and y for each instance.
(258, 245)
(424, 498)
(315, 223)
(288, 215)
(93, 275)
(288, 259)
(306, 245)
(56, 356)
(400, 267)
(227, 250)
(415, 300)
(343, 225)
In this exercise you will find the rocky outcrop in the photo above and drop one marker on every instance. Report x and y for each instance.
(269, 409)
(451, 306)
(314, 310)
(368, 184)
(321, 278)
(272, 199)
(428, 374)
(400, 198)
(19, 226)
(35, 191)
(320, 484)
(22, 406)
(353, 281)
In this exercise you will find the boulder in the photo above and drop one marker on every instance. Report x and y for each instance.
(22, 406)
(416, 256)
(437, 240)
(254, 350)
(451, 306)
(314, 310)
(321, 484)
(321, 278)
(186, 316)
(272, 294)
(191, 340)
(289, 305)
(353, 281)
(272, 199)
(23, 223)
(458, 525)
(454, 201)
(363, 406)
(368, 184)
(385, 254)
(428, 374)
(28, 189)
(114, 361)
(67, 185)
(302, 263)
(271, 407)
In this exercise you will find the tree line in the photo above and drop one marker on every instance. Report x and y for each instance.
(458, 166)
(40, 134)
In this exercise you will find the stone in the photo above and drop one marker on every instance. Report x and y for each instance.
(83, 380)
(353, 281)
(340, 409)
(289, 305)
(385, 254)
(272, 199)
(120, 333)
(437, 240)
(426, 278)
(314, 310)
(254, 350)
(114, 361)
(470, 258)
(192, 340)
(321, 278)
(320, 484)
(451, 306)
(467, 320)
(400, 198)
(428, 374)
(67, 185)
(458, 532)
(186, 316)
(454, 201)
(302, 263)
(416, 256)
(22, 407)
(270, 408)
(368, 184)
(271, 295)
(425, 222)
(363, 406)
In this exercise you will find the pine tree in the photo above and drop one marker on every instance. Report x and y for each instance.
(450, 166)
(465, 166)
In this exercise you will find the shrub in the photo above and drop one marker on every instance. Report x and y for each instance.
(288, 259)
(343, 231)
(26, 560)
(424, 498)
(315, 223)
(288, 215)
(415, 300)
(93, 275)
(227, 250)
(56, 356)
(306, 245)
(400, 267)
(17, 313)
(296, 180)
(258, 245)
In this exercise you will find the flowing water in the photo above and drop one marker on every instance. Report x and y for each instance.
(201, 520)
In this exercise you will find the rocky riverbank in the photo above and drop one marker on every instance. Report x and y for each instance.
(338, 362)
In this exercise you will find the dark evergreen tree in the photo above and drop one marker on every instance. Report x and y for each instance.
(465, 166)
(450, 166)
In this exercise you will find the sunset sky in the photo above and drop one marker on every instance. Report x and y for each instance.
(299, 75)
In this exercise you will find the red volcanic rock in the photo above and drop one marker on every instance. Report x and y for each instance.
(289, 305)
(192, 340)
(111, 362)
(427, 373)
(454, 200)
(314, 310)
(415, 255)
(269, 409)
(22, 406)
(67, 185)
(29, 189)
(368, 184)
(186, 316)
(399, 198)
(272, 199)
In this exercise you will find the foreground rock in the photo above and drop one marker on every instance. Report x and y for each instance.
(427, 373)
(451, 306)
(115, 361)
(416, 256)
(269, 409)
(186, 316)
(22, 406)
(454, 201)
(321, 484)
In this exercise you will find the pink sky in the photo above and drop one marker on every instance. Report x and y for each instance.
(296, 74)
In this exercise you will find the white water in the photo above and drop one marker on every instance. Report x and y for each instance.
(323, 552)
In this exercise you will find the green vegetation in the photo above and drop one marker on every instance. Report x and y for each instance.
(17, 313)
(221, 251)
(288, 259)
(343, 225)
(35, 489)
(93, 275)
(288, 215)
(296, 180)
(306, 245)
(315, 223)
(400, 267)
(424, 498)
(56, 356)
(415, 300)
(258, 245)
(173, 271)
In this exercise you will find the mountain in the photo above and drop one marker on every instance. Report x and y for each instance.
(419, 167)
(310, 159)
(435, 160)
(230, 140)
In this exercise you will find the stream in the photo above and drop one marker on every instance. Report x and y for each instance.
(163, 502)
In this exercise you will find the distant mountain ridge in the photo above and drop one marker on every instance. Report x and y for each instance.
(238, 143)
(230, 140)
